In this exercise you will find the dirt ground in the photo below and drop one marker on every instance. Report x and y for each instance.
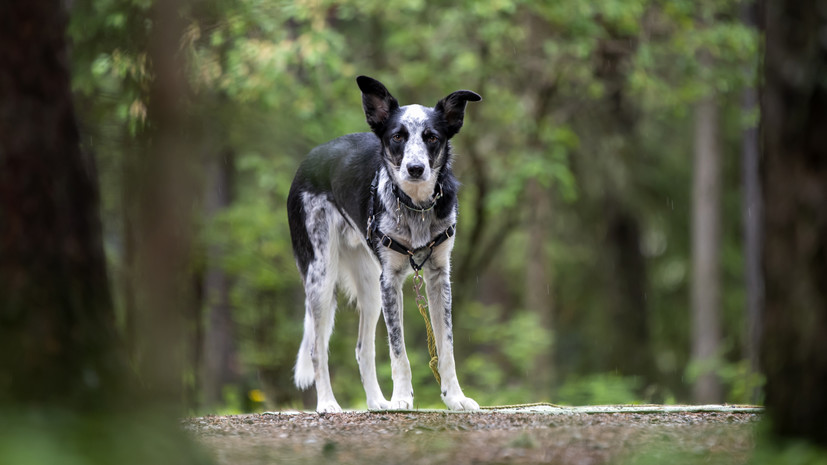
(435, 437)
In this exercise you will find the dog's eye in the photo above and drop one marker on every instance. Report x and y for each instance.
(397, 137)
(432, 139)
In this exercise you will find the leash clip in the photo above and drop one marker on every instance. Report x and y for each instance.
(367, 231)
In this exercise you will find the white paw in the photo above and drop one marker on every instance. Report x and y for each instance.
(328, 407)
(461, 402)
(401, 403)
(378, 404)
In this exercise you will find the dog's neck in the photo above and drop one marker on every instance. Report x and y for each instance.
(399, 203)
(419, 207)
(414, 194)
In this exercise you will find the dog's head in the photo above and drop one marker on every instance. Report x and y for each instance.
(414, 138)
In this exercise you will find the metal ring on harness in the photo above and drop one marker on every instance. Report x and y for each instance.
(412, 255)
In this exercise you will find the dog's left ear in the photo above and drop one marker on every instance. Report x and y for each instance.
(452, 108)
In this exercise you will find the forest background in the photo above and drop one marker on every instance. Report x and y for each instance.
(606, 251)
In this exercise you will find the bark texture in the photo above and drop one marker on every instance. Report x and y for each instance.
(794, 177)
(56, 320)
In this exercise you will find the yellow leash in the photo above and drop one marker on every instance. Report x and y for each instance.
(510, 406)
(422, 304)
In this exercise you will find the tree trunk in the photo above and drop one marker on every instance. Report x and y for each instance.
(129, 175)
(219, 348)
(629, 335)
(794, 179)
(59, 350)
(706, 238)
(56, 319)
(752, 209)
(538, 279)
(166, 199)
(752, 214)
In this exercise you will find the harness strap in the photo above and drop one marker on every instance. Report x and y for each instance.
(393, 244)
(396, 246)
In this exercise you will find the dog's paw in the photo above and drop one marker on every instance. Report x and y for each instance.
(328, 407)
(378, 404)
(405, 403)
(461, 402)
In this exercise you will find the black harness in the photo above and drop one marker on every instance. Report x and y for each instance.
(417, 257)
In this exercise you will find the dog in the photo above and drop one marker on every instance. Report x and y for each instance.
(365, 211)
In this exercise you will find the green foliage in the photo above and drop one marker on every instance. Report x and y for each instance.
(599, 389)
(789, 453)
(68, 438)
(589, 102)
(505, 352)
(767, 452)
(738, 376)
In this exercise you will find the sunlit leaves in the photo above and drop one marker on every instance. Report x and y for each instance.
(270, 79)
(668, 72)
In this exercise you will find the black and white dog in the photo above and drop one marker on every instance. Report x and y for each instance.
(364, 211)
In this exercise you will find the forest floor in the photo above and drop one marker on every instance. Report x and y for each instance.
(548, 435)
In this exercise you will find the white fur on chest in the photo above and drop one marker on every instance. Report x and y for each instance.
(413, 229)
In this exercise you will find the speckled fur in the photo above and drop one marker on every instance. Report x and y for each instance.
(328, 209)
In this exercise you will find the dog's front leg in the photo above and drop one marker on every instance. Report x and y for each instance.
(438, 284)
(391, 283)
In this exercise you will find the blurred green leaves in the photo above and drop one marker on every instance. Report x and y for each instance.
(588, 101)
(53, 436)
(600, 389)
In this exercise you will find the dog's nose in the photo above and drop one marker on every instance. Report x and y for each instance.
(415, 170)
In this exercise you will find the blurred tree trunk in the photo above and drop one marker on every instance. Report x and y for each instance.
(58, 343)
(166, 198)
(629, 334)
(628, 337)
(538, 278)
(539, 90)
(794, 179)
(706, 239)
(752, 215)
(219, 347)
(127, 270)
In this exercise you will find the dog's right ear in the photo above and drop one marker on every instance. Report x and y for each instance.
(377, 102)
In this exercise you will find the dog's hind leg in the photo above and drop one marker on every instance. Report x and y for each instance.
(321, 306)
(320, 303)
(324, 315)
